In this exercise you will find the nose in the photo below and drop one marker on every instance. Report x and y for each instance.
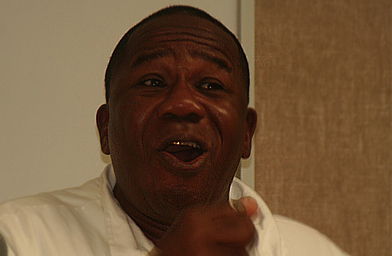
(181, 103)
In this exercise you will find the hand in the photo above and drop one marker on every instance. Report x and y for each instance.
(215, 230)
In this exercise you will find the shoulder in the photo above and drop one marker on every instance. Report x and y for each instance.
(304, 240)
(71, 197)
(50, 217)
(46, 209)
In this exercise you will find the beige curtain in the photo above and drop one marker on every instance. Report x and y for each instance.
(324, 138)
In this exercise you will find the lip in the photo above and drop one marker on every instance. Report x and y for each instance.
(181, 168)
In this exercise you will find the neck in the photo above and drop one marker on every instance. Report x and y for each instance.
(152, 228)
(154, 223)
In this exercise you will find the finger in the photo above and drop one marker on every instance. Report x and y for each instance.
(154, 252)
(246, 205)
(250, 205)
(236, 230)
(238, 206)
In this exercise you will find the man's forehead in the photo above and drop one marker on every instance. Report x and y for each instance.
(181, 21)
(148, 55)
(207, 39)
(185, 27)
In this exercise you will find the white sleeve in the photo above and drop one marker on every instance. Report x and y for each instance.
(303, 240)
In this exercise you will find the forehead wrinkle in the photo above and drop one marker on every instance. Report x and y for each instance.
(178, 29)
(148, 56)
(220, 62)
(211, 40)
(201, 53)
(178, 35)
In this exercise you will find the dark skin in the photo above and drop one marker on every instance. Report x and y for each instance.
(180, 86)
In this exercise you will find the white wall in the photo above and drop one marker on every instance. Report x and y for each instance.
(53, 58)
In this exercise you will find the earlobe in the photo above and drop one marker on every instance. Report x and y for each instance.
(251, 121)
(102, 124)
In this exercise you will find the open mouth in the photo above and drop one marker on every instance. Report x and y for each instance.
(184, 151)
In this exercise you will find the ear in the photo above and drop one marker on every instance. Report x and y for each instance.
(251, 121)
(102, 124)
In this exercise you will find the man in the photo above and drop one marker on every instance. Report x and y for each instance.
(176, 125)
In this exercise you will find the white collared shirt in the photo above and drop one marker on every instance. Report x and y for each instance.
(88, 221)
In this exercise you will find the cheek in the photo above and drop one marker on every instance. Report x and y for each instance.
(230, 125)
(230, 121)
(128, 124)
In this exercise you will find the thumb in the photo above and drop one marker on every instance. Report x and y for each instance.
(246, 205)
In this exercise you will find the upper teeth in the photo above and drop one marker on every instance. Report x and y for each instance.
(189, 144)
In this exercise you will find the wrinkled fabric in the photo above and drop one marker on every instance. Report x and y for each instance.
(88, 220)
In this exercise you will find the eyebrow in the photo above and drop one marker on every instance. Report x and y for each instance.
(151, 56)
(220, 62)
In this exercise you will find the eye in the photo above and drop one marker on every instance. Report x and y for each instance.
(211, 86)
(153, 83)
